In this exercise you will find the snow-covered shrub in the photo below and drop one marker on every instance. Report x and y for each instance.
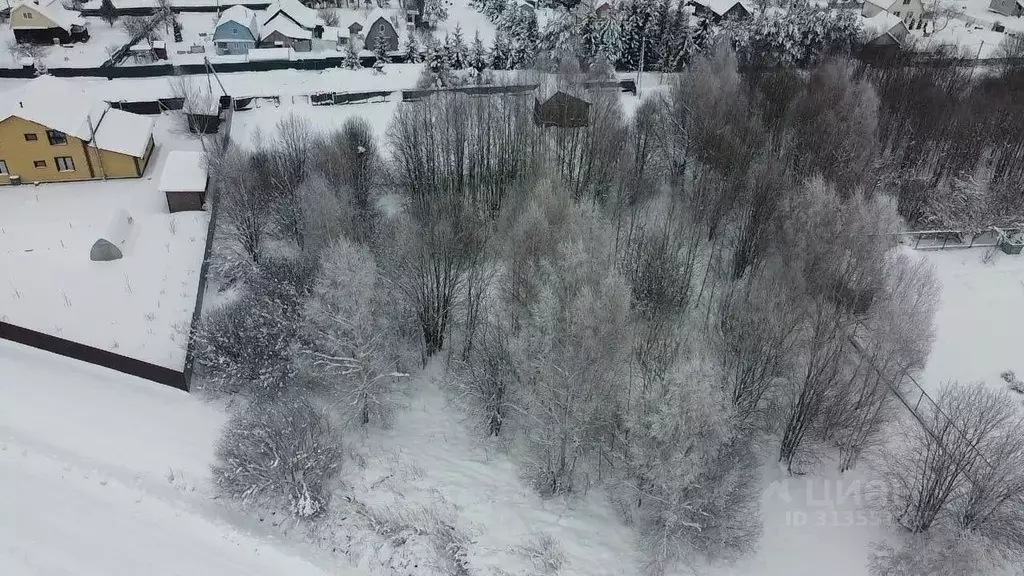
(244, 346)
(941, 553)
(543, 552)
(281, 454)
(797, 37)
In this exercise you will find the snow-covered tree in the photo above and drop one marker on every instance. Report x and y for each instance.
(352, 57)
(795, 37)
(380, 49)
(413, 49)
(351, 339)
(479, 59)
(434, 12)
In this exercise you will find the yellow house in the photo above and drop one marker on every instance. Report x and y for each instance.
(53, 131)
(46, 21)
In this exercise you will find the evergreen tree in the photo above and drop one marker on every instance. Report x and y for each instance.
(380, 49)
(413, 50)
(458, 56)
(108, 12)
(501, 52)
(478, 57)
(352, 57)
(437, 63)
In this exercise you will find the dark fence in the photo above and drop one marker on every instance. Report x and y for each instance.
(204, 269)
(148, 10)
(85, 353)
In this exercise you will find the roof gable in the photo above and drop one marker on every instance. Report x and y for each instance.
(243, 16)
(291, 9)
(56, 104)
(51, 10)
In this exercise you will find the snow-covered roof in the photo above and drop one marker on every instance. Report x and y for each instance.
(304, 16)
(240, 15)
(376, 15)
(55, 103)
(53, 10)
(720, 7)
(286, 28)
(881, 23)
(124, 132)
(184, 171)
(258, 54)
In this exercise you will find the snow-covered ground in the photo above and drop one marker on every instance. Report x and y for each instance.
(461, 14)
(79, 55)
(264, 119)
(139, 306)
(103, 474)
(980, 322)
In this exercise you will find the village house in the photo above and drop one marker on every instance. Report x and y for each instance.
(237, 31)
(561, 110)
(47, 22)
(911, 12)
(53, 131)
(1007, 7)
(886, 34)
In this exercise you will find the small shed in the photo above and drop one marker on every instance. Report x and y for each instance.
(183, 181)
(561, 110)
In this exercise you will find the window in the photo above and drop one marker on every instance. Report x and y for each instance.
(31, 137)
(56, 137)
(896, 13)
(39, 163)
(27, 15)
(906, 2)
(3, 167)
(64, 164)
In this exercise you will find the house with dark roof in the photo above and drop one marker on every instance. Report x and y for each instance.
(561, 110)
(47, 21)
(1007, 7)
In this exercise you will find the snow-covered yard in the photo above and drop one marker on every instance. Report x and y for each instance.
(89, 54)
(461, 14)
(980, 322)
(105, 474)
(139, 306)
(264, 119)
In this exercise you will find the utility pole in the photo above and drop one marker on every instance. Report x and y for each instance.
(639, 73)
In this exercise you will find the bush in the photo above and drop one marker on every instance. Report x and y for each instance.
(245, 345)
(280, 454)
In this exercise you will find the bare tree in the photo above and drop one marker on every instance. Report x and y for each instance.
(329, 16)
(245, 205)
(140, 27)
(287, 156)
(932, 464)
(350, 159)
(282, 454)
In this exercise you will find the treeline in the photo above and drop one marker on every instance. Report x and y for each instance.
(644, 303)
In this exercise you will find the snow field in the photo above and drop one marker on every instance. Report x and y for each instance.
(103, 474)
(139, 306)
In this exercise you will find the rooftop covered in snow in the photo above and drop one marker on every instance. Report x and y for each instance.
(184, 171)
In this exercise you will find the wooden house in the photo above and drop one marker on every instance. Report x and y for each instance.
(51, 130)
(719, 10)
(378, 25)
